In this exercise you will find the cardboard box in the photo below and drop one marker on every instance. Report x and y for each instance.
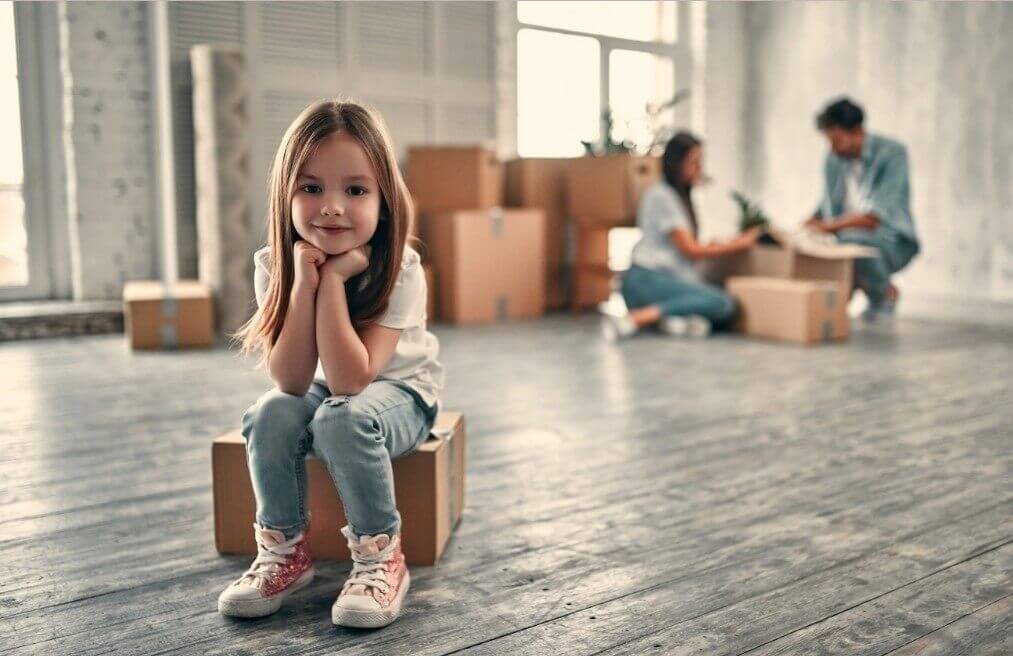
(591, 285)
(428, 483)
(607, 189)
(592, 246)
(448, 178)
(541, 183)
(802, 311)
(160, 317)
(794, 255)
(489, 264)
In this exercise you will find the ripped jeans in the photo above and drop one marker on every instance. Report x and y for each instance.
(356, 436)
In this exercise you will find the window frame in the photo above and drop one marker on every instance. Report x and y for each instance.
(678, 51)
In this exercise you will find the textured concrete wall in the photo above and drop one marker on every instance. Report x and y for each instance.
(108, 146)
(937, 76)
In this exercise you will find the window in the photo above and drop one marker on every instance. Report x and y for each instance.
(558, 92)
(575, 60)
(13, 237)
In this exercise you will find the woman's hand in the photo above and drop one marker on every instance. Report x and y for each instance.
(349, 264)
(307, 259)
(747, 239)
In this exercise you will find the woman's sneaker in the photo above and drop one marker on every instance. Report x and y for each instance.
(692, 325)
(281, 567)
(372, 595)
(615, 327)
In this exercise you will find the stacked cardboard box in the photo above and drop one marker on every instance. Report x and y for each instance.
(428, 484)
(602, 194)
(795, 289)
(168, 316)
(541, 183)
(489, 262)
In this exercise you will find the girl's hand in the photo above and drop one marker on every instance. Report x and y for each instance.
(349, 264)
(307, 260)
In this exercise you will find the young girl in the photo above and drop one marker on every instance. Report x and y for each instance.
(662, 286)
(341, 326)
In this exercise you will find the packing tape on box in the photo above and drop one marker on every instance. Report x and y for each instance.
(828, 330)
(447, 435)
(496, 221)
(502, 308)
(831, 299)
(167, 330)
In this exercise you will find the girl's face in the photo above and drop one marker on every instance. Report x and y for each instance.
(692, 167)
(336, 204)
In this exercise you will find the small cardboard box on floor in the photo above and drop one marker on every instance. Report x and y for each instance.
(428, 484)
(541, 183)
(796, 289)
(159, 316)
(489, 263)
(607, 189)
(448, 178)
(802, 311)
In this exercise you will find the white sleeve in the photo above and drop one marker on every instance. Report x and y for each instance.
(407, 306)
(667, 212)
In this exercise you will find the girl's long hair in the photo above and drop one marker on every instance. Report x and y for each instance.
(369, 292)
(678, 147)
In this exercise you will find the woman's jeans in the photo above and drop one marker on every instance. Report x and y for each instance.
(642, 287)
(872, 274)
(356, 437)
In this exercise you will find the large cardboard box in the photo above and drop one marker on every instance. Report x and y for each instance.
(592, 245)
(489, 264)
(591, 285)
(793, 255)
(607, 189)
(428, 484)
(802, 311)
(448, 178)
(159, 316)
(541, 183)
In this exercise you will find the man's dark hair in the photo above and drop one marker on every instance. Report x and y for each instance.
(842, 114)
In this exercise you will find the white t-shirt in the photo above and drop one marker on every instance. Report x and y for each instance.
(660, 212)
(854, 193)
(414, 360)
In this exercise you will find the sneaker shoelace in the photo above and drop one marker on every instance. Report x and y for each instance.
(269, 558)
(368, 569)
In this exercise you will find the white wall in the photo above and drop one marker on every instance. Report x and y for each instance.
(936, 76)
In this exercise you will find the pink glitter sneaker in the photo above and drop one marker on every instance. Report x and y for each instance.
(372, 595)
(281, 567)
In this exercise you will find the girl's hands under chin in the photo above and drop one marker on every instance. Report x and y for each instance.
(349, 264)
(308, 258)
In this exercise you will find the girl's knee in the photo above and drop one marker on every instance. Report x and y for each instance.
(276, 412)
(339, 421)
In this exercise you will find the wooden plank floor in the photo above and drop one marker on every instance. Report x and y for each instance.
(718, 497)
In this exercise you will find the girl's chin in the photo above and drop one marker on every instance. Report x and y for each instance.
(335, 245)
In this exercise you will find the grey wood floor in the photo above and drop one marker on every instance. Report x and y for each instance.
(717, 497)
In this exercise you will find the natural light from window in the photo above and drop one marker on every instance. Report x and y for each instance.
(640, 21)
(558, 93)
(638, 81)
(13, 241)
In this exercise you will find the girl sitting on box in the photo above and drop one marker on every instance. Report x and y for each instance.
(341, 327)
(662, 286)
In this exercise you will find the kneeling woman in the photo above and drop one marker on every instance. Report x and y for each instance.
(663, 286)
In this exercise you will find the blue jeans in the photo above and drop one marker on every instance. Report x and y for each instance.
(642, 287)
(872, 274)
(356, 436)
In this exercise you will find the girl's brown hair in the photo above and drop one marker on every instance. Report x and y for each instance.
(369, 292)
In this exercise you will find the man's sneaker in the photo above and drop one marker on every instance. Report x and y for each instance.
(882, 312)
(281, 567)
(692, 325)
(615, 327)
(372, 595)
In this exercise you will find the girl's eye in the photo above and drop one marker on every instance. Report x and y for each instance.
(356, 190)
(310, 188)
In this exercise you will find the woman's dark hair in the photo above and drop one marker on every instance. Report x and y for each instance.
(678, 147)
(841, 113)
